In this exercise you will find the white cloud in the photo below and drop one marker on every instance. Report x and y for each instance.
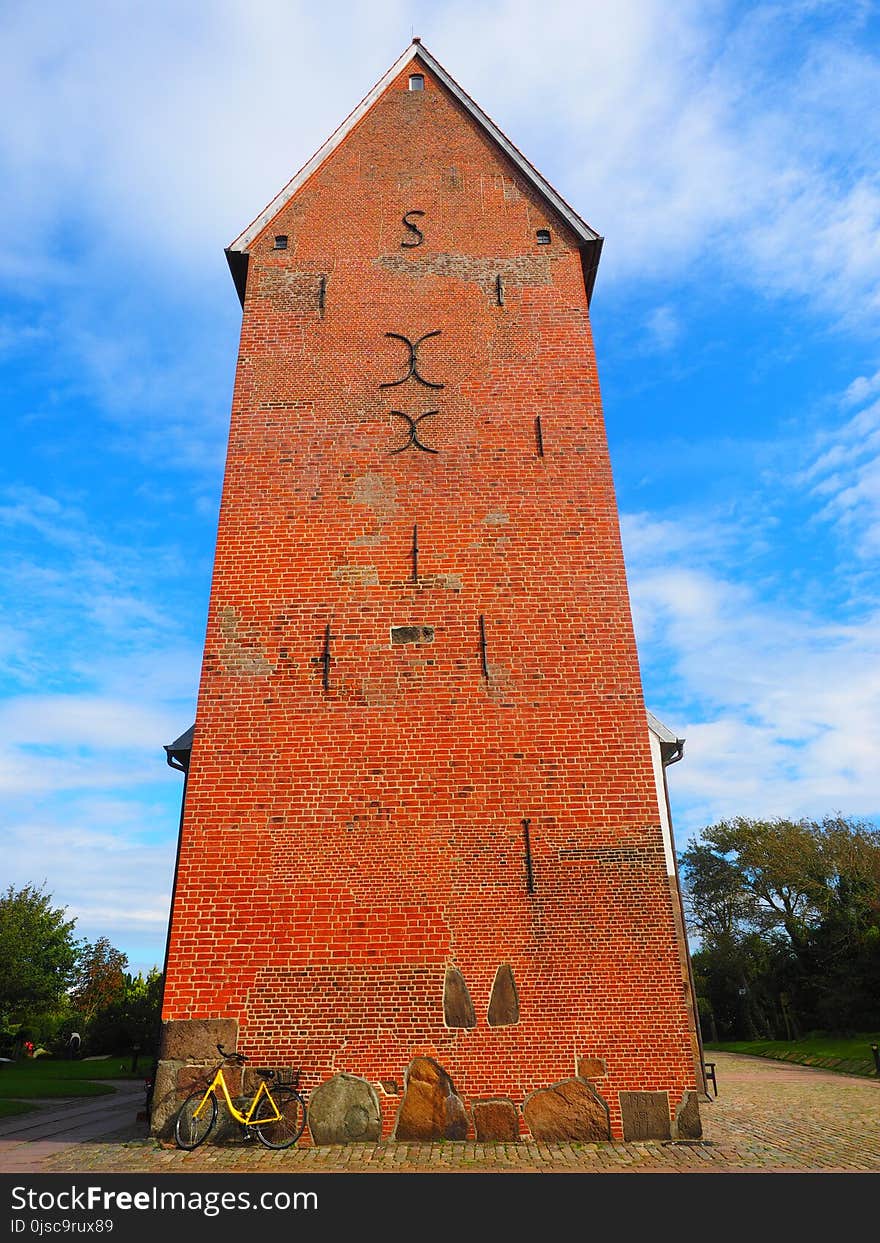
(57, 743)
(80, 720)
(862, 389)
(843, 471)
(781, 706)
(114, 882)
(101, 671)
(663, 328)
(778, 705)
(85, 582)
(681, 131)
(44, 514)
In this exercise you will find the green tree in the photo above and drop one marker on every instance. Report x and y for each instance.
(787, 913)
(843, 977)
(779, 866)
(734, 990)
(100, 979)
(38, 953)
(132, 1018)
(722, 913)
(718, 907)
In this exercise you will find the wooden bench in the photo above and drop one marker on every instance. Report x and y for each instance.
(709, 1069)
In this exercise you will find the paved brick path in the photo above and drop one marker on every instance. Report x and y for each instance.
(65, 1126)
(768, 1116)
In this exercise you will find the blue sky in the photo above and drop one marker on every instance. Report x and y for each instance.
(729, 155)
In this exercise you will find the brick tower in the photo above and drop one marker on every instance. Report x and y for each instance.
(421, 853)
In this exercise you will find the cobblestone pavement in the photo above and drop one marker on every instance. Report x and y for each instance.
(767, 1116)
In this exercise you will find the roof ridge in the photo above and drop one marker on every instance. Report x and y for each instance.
(590, 240)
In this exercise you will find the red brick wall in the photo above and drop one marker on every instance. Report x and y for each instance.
(341, 847)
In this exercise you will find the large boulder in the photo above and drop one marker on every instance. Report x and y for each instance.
(431, 1108)
(344, 1110)
(567, 1110)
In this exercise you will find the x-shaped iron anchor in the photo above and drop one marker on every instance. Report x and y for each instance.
(413, 369)
(413, 434)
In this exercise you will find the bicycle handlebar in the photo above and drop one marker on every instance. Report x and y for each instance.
(232, 1057)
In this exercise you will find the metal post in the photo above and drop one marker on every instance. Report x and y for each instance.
(530, 876)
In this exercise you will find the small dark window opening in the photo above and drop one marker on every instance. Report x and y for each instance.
(281, 241)
(412, 634)
(543, 236)
(416, 82)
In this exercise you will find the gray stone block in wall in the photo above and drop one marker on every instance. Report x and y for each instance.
(196, 1040)
(458, 1009)
(687, 1118)
(504, 1001)
(645, 1115)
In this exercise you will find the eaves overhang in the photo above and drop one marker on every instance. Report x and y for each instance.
(177, 753)
(671, 746)
(589, 241)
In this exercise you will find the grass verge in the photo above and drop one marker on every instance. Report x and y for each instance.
(850, 1055)
(43, 1077)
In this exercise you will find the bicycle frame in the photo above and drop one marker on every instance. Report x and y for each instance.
(245, 1119)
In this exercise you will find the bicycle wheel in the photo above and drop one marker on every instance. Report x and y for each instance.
(189, 1130)
(286, 1130)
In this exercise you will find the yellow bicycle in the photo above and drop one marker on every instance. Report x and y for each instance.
(278, 1119)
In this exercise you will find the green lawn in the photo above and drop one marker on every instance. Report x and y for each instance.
(41, 1077)
(849, 1054)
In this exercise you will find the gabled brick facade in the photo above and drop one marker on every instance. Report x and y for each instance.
(420, 638)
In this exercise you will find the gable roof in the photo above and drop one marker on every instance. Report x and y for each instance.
(590, 243)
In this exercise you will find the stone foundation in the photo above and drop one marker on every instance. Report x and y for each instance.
(187, 1056)
(347, 1108)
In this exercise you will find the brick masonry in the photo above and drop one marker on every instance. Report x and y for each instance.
(344, 845)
